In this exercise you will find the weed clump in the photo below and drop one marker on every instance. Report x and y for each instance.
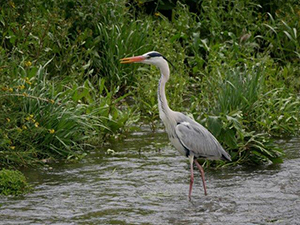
(13, 182)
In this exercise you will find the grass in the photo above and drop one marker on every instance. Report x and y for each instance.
(42, 120)
(39, 123)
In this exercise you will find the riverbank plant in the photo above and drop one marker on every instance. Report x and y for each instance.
(43, 121)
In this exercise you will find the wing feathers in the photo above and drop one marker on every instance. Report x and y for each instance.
(199, 141)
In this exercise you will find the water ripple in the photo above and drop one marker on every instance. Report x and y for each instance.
(147, 183)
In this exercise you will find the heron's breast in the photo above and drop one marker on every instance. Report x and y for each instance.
(170, 129)
(175, 142)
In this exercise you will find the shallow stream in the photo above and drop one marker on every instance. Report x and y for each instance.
(146, 182)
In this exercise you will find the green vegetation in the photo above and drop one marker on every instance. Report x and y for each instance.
(63, 90)
(13, 182)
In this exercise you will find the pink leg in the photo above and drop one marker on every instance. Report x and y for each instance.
(202, 175)
(192, 176)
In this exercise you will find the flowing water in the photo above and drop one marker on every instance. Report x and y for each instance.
(146, 182)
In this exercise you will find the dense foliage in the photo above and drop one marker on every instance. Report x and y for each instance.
(62, 89)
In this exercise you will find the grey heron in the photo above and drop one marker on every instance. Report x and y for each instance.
(187, 136)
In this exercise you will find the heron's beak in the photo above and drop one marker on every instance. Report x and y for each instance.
(133, 59)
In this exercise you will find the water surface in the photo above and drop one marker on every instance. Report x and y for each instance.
(146, 182)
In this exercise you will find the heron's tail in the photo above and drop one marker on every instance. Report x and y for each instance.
(225, 156)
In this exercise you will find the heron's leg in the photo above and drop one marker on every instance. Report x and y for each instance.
(202, 175)
(191, 158)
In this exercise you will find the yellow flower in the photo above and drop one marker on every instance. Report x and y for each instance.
(36, 124)
(28, 63)
(8, 120)
(157, 14)
(12, 147)
(140, 3)
(10, 90)
(51, 101)
(51, 131)
(24, 127)
(30, 118)
(12, 4)
(21, 87)
(19, 129)
(27, 81)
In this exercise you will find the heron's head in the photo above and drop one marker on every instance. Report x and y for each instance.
(153, 58)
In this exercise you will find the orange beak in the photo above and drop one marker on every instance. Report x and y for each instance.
(133, 59)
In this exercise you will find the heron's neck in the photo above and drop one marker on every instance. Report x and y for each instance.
(162, 100)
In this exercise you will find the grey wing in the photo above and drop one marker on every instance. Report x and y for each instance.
(197, 139)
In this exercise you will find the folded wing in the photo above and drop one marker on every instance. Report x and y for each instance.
(197, 139)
